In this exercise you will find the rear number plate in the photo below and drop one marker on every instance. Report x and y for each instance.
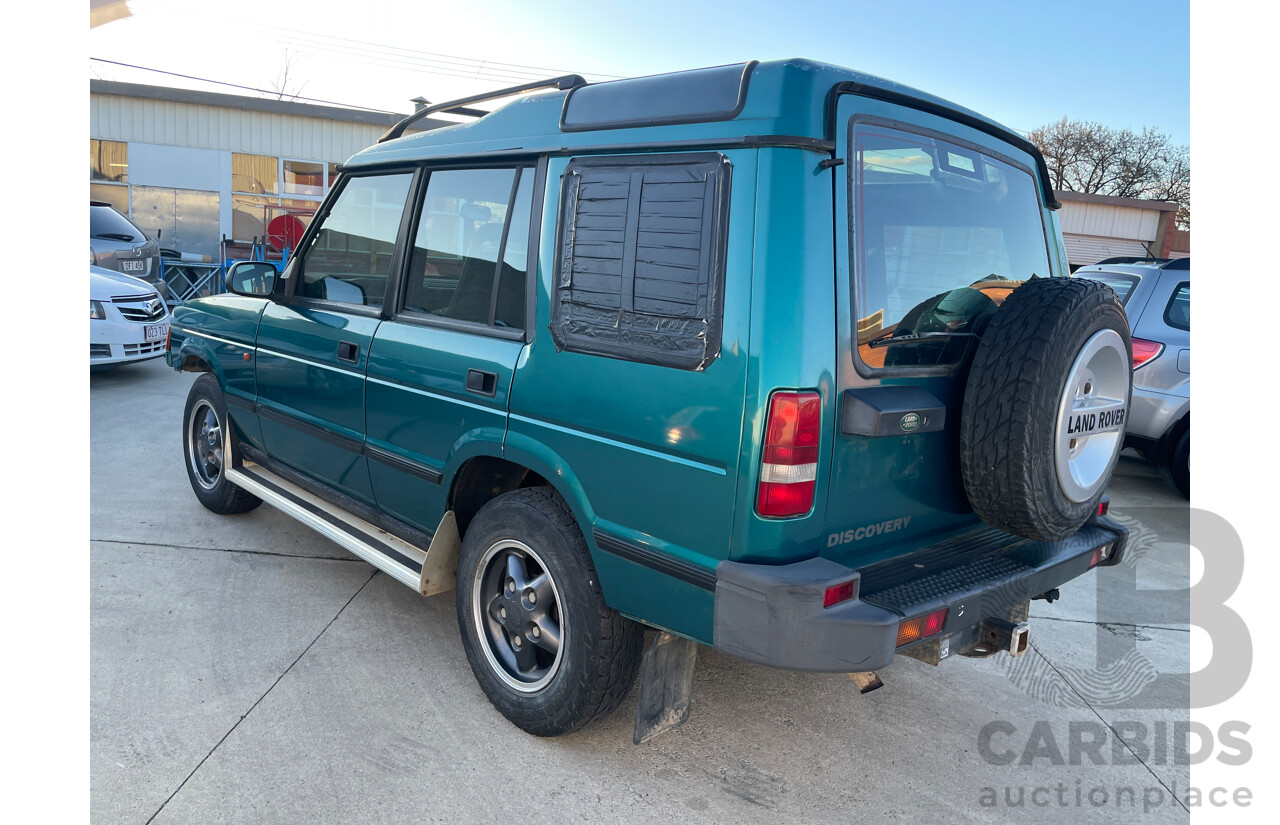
(133, 266)
(156, 332)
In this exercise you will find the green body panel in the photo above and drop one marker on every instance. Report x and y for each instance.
(227, 328)
(418, 408)
(792, 335)
(301, 378)
(665, 460)
(655, 448)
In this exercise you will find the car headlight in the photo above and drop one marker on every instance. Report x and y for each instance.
(96, 312)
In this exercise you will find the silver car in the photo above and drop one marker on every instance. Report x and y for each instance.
(117, 243)
(1157, 298)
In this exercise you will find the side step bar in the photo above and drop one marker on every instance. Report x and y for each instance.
(392, 555)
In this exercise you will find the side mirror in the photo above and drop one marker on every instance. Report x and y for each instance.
(252, 278)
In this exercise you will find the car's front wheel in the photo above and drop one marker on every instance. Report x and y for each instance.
(205, 435)
(544, 646)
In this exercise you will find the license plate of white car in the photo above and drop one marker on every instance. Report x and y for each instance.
(156, 332)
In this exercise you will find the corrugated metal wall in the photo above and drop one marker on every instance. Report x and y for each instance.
(112, 117)
(1083, 250)
(1109, 221)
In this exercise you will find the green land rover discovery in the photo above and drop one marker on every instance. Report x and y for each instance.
(772, 357)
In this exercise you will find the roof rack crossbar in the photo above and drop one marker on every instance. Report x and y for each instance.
(568, 81)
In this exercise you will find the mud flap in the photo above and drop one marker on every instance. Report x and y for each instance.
(440, 567)
(666, 682)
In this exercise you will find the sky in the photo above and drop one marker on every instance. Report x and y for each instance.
(1124, 63)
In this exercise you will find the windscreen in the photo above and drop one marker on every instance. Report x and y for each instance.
(942, 234)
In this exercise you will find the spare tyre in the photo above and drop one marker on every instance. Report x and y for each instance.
(1045, 406)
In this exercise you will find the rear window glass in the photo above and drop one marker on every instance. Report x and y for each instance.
(942, 234)
(1178, 313)
(1121, 285)
(106, 223)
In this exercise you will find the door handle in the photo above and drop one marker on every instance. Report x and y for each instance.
(482, 383)
(348, 352)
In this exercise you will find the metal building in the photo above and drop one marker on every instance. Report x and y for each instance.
(193, 167)
(1097, 227)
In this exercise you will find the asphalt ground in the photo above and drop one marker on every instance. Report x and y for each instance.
(246, 670)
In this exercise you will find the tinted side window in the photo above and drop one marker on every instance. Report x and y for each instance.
(469, 251)
(349, 259)
(1178, 312)
(640, 271)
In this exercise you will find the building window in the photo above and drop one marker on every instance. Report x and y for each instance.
(259, 181)
(109, 161)
(303, 177)
(254, 174)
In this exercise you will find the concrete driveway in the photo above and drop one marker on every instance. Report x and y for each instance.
(246, 670)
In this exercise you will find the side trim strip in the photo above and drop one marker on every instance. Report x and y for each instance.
(237, 400)
(353, 445)
(199, 334)
(404, 465)
(309, 363)
(429, 394)
(654, 560)
(344, 442)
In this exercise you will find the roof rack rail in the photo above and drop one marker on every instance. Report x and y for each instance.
(568, 81)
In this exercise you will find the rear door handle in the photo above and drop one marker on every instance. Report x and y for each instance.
(348, 352)
(482, 383)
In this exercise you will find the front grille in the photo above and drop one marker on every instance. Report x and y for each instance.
(144, 349)
(99, 350)
(134, 308)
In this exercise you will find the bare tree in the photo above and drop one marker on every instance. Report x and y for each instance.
(281, 85)
(1084, 156)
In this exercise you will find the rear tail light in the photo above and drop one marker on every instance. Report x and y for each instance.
(790, 463)
(837, 593)
(1144, 351)
(1104, 506)
(921, 627)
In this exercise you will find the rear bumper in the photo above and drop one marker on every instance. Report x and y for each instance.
(774, 614)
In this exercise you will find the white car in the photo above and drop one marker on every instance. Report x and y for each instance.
(128, 320)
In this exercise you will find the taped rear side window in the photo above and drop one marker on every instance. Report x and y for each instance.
(640, 270)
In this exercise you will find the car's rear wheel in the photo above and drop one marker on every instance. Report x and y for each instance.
(1177, 470)
(205, 435)
(544, 646)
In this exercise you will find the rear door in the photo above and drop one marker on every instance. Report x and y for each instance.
(313, 345)
(934, 228)
(439, 371)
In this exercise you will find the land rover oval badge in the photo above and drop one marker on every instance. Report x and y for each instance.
(909, 422)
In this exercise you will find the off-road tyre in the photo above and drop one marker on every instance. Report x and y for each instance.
(208, 481)
(1011, 403)
(600, 650)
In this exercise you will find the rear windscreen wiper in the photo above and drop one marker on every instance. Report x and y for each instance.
(911, 337)
(117, 236)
